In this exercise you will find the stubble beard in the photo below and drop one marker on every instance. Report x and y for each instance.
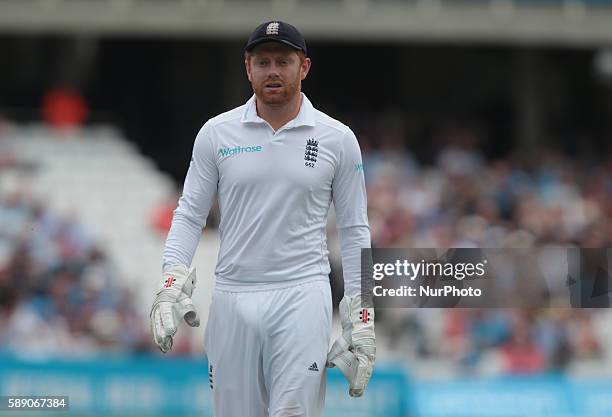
(288, 91)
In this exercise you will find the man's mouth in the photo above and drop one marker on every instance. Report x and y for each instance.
(273, 85)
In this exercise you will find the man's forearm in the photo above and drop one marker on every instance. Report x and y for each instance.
(352, 240)
(182, 241)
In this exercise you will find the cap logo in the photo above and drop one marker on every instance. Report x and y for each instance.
(272, 28)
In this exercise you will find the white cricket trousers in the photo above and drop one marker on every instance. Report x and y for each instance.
(267, 350)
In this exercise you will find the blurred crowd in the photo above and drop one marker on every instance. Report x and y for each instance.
(463, 200)
(526, 200)
(498, 341)
(59, 293)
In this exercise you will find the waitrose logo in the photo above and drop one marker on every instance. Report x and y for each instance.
(223, 152)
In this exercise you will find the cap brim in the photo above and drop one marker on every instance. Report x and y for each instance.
(253, 44)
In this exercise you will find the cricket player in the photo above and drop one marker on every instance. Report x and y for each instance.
(275, 164)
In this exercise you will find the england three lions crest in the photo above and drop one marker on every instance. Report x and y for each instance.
(311, 152)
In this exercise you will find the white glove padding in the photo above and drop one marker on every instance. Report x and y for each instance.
(172, 304)
(354, 352)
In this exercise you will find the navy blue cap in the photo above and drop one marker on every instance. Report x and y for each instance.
(277, 31)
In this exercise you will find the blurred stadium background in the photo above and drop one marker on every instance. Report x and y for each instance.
(482, 123)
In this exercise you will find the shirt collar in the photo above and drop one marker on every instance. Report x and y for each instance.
(305, 117)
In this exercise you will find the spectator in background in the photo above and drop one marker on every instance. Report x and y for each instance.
(161, 215)
(521, 355)
(64, 108)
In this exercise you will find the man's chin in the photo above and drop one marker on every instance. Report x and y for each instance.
(273, 99)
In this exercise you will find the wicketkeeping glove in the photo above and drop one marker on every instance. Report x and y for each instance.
(172, 304)
(354, 352)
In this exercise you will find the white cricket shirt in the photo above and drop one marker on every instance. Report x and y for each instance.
(274, 190)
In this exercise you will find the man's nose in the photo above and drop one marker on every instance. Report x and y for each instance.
(273, 69)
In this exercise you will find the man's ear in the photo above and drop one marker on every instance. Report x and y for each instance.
(305, 68)
(247, 67)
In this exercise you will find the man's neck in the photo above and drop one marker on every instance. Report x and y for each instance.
(278, 116)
